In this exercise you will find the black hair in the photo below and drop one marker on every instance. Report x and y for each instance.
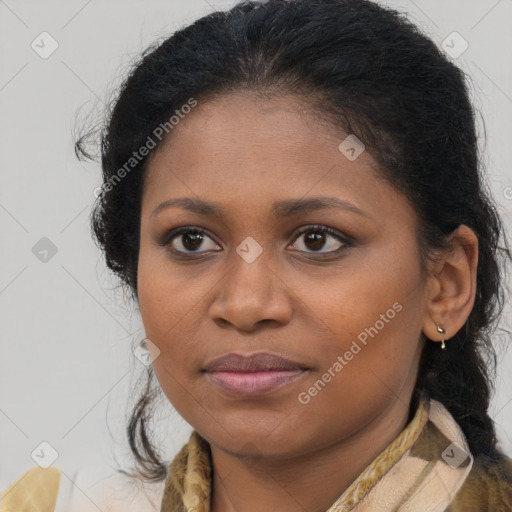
(370, 72)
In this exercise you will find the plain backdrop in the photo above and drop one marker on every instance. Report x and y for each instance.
(67, 370)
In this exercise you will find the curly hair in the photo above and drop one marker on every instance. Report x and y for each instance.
(367, 70)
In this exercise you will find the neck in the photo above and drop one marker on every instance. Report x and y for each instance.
(311, 482)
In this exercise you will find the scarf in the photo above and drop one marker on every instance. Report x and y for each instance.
(426, 468)
(421, 470)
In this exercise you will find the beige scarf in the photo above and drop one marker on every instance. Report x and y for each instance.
(421, 470)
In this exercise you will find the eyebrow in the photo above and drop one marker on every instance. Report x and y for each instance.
(283, 208)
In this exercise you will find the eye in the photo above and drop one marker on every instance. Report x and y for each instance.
(188, 240)
(317, 238)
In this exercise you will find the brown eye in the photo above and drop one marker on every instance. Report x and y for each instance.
(316, 238)
(189, 241)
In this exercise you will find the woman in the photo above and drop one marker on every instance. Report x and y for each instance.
(293, 196)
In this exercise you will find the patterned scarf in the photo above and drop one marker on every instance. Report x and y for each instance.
(421, 470)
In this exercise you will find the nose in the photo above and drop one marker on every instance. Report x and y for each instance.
(251, 294)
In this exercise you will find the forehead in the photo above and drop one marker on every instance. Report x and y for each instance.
(246, 151)
(235, 126)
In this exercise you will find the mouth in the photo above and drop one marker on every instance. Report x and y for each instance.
(253, 375)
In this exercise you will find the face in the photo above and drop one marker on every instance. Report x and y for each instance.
(332, 287)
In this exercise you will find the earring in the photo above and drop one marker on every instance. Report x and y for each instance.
(442, 331)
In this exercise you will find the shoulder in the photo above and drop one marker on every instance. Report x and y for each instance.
(36, 490)
(487, 488)
(56, 490)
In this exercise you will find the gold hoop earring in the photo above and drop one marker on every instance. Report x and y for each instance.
(442, 331)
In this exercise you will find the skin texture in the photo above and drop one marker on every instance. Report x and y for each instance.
(298, 299)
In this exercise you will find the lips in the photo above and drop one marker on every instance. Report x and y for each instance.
(261, 362)
(258, 374)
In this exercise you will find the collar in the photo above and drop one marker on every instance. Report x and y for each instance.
(421, 470)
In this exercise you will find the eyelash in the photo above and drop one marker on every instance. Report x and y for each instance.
(315, 228)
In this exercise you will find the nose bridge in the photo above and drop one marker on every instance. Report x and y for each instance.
(250, 291)
(249, 279)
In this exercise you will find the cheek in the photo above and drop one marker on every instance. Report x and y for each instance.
(374, 320)
(169, 307)
(377, 364)
(163, 292)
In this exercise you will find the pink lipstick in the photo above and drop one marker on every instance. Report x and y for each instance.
(253, 375)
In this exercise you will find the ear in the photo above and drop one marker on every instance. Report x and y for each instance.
(451, 286)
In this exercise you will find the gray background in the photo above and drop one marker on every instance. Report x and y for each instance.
(66, 365)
